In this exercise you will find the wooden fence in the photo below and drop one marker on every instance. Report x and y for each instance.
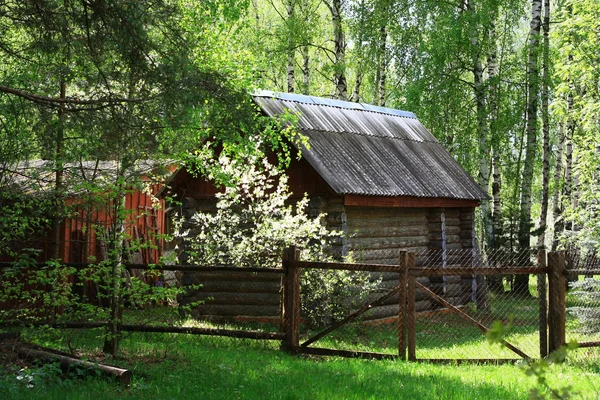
(552, 309)
(552, 306)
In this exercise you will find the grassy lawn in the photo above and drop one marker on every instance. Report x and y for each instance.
(168, 366)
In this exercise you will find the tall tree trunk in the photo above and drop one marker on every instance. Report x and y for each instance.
(524, 236)
(496, 222)
(556, 200)
(483, 177)
(382, 67)
(545, 127)
(339, 76)
(305, 70)
(291, 53)
(359, 50)
(58, 174)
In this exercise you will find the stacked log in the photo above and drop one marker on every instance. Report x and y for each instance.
(377, 235)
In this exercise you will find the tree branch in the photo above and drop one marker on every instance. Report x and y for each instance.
(69, 100)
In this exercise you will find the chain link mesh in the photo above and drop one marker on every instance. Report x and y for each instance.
(583, 303)
(451, 309)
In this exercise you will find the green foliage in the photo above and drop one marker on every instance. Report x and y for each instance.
(329, 295)
(255, 220)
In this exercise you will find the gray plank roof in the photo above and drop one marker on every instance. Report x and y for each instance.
(369, 150)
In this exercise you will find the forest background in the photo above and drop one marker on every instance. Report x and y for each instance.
(509, 87)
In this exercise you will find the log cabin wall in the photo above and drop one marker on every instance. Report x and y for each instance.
(377, 234)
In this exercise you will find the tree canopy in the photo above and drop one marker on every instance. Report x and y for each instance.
(162, 79)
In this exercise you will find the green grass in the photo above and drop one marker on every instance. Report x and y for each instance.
(168, 366)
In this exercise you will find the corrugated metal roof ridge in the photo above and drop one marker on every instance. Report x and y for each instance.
(314, 117)
(322, 101)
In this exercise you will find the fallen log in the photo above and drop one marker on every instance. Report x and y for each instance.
(123, 376)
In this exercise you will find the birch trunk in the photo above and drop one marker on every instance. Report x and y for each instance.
(305, 70)
(521, 283)
(339, 76)
(556, 200)
(483, 177)
(545, 128)
(496, 162)
(291, 75)
(531, 125)
(382, 73)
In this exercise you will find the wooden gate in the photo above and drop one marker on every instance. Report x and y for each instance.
(408, 320)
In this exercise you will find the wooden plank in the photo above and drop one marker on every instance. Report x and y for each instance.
(359, 244)
(588, 344)
(557, 287)
(364, 213)
(411, 320)
(183, 268)
(237, 298)
(543, 305)
(346, 267)
(258, 335)
(291, 319)
(476, 271)
(468, 318)
(460, 361)
(405, 201)
(388, 229)
(241, 286)
(233, 310)
(402, 298)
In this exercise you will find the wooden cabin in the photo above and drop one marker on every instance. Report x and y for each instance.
(377, 173)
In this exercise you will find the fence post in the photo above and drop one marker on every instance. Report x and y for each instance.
(543, 305)
(291, 300)
(556, 300)
(402, 283)
(411, 309)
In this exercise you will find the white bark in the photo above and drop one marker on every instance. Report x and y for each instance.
(531, 125)
(339, 40)
(545, 128)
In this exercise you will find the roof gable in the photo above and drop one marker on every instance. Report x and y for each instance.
(375, 151)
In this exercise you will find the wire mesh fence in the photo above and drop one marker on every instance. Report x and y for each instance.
(458, 296)
(583, 303)
(351, 308)
(461, 294)
(452, 298)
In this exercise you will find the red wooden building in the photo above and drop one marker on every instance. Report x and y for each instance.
(90, 215)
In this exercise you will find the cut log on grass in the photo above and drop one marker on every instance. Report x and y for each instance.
(123, 376)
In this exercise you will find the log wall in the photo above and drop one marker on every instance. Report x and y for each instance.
(234, 296)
